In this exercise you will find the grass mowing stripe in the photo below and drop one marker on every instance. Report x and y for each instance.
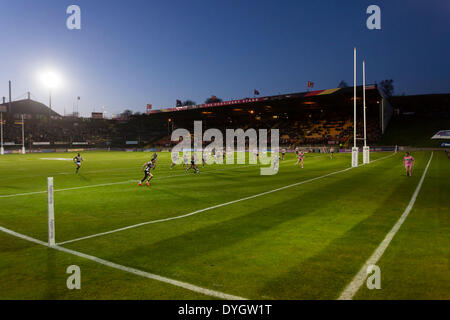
(141, 273)
(360, 277)
(100, 185)
(120, 182)
(212, 207)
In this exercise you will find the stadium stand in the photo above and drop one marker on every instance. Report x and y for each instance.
(305, 119)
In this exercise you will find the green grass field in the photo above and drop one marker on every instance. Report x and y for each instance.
(306, 241)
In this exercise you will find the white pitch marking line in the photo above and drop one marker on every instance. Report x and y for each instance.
(209, 208)
(66, 189)
(98, 185)
(138, 272)
(360, 277)
(109, 184)
(58, 159)
(114, 183)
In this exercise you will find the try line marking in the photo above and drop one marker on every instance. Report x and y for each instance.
(360, 277)
(213, 207)
(185, 285)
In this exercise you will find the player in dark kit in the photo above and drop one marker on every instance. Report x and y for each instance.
(185, 159)
(174, 158)
(77, 160)
(204, 158)
(147, 174)
(192, 166)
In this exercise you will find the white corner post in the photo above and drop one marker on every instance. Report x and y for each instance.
(2, 150)
(355, 148)
(51, 213)
(23, 136)
(366, 149)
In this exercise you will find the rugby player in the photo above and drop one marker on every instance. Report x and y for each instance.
(300, 158)
(408, 161)
(174, 160)
(147, 174)
(192, 166)
(185, 159)
(77, 160)
(204, 158)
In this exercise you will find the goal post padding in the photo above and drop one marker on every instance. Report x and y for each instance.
(366, 154)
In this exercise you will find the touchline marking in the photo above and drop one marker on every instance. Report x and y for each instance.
(138, 272)
(109, 184)
(66, 189)
(353, 287)
(115, 183)
(209, 208)
(58, 159)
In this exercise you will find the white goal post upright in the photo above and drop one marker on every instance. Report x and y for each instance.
(2, 150)
(355, 148)
(23, 136)
(51, 213)
(366, 149)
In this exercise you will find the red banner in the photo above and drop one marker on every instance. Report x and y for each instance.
(209, 105)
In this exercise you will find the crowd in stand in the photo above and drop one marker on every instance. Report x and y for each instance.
(59, 131)
(311, 130)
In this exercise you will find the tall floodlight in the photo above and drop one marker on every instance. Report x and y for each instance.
(355, 148)
(366, 149)
(9, 83)
(51, 80)
(78, 113)
(2, 151)
(23, 136)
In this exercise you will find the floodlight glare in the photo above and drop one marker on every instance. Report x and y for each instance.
(50, 79)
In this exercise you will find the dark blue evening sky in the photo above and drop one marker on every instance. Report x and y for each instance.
(130, 53)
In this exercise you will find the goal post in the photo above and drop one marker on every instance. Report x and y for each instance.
(366, 149)
(366, 154)
(355, 154)
(355, 149)
(51, 213)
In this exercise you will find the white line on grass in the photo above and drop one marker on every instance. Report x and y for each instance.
(67, 189)
(185, 285)
(209, 208)
(141, 273)
(360, 277)
(106, 184)
(115, 183)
